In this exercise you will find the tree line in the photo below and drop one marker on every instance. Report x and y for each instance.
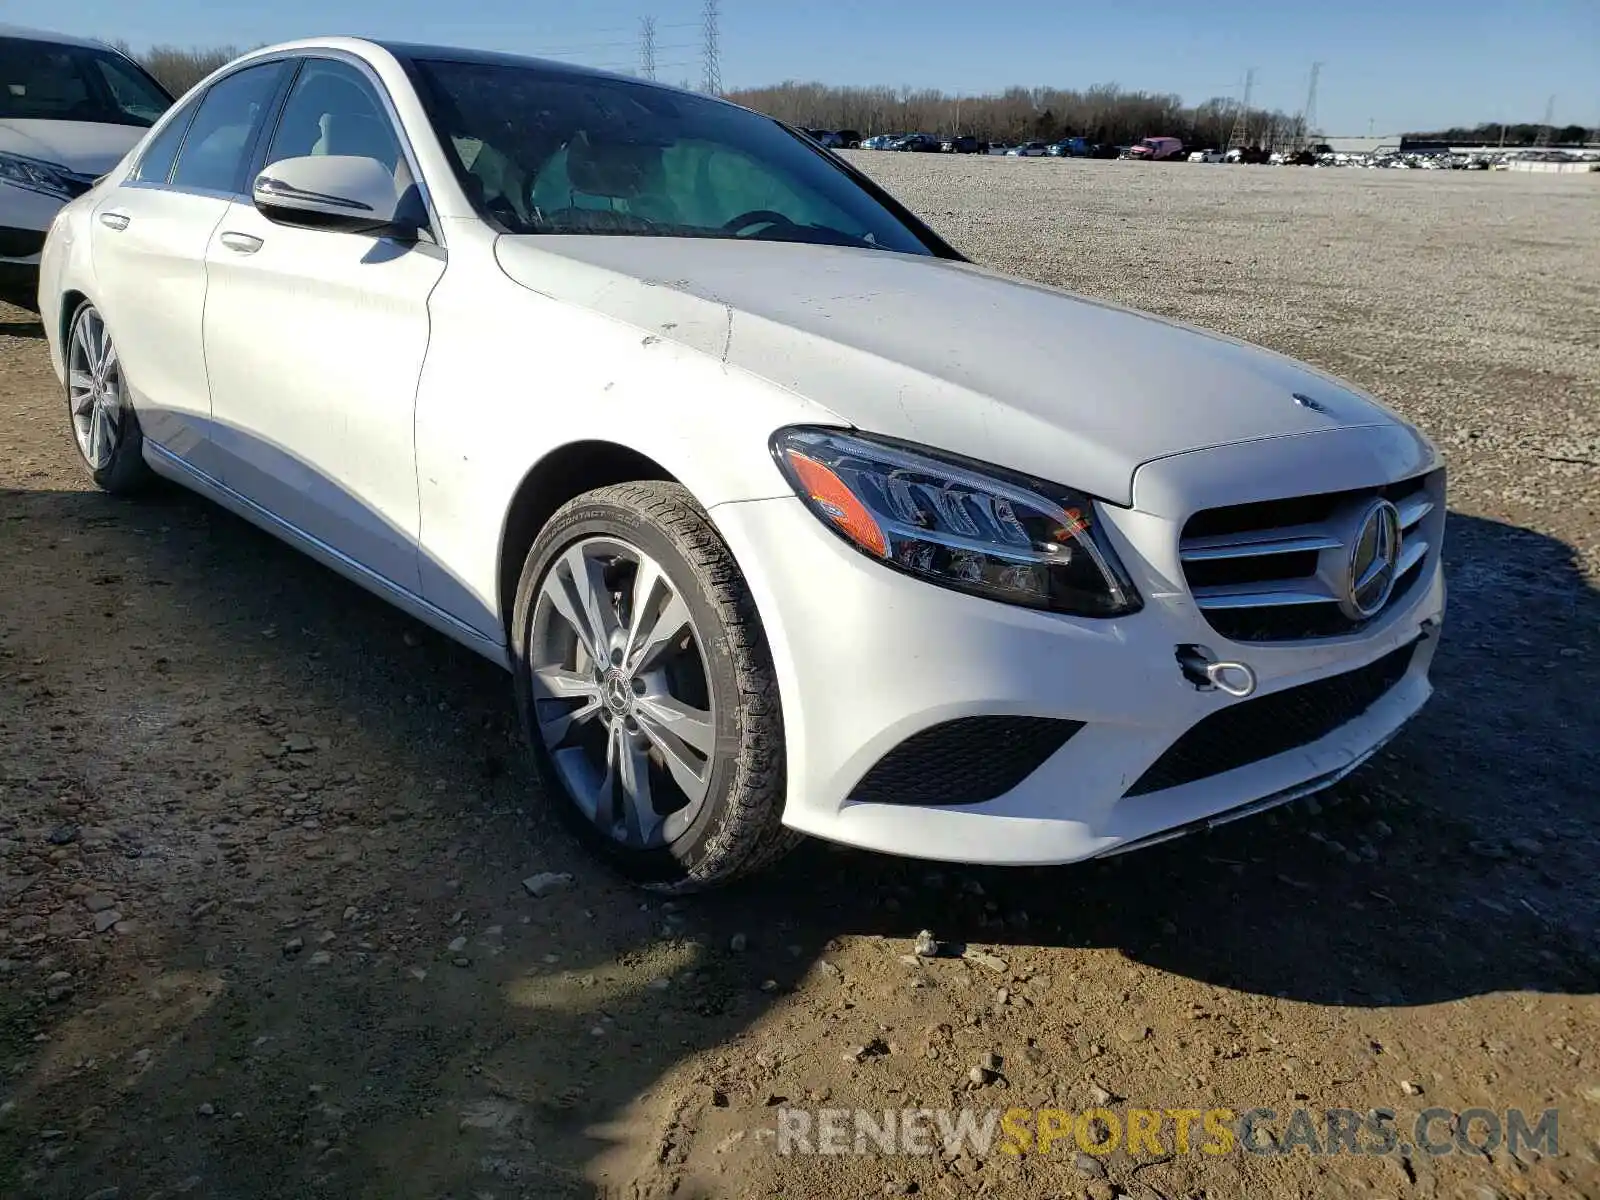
(1102, 113)
(1492, 134)
(177, 69)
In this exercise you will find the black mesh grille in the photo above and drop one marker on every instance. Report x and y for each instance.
(964, 762)
(1252, 730)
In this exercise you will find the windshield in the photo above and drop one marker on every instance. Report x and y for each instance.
(43, 81)
(540, 150)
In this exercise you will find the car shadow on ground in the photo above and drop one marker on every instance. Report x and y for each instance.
(1458, 863)
(28, 326)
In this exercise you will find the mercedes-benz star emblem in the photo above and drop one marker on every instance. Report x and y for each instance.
(1374, 555)
(1305, 401)
(616, 692)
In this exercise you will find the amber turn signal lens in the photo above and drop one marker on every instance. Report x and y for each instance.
(839, 504)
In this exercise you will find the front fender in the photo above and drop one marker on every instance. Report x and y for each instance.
(65, 268)
(513, 375)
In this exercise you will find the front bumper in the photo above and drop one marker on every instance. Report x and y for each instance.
(24, 217)
(867, 657)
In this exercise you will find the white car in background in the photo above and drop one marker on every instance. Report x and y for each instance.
(783, 516)
(69, 111)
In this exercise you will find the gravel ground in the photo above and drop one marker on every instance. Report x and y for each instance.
(262, 840)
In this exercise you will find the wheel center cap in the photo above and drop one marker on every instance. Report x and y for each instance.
(616, 691)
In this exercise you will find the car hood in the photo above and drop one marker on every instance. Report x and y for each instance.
(945, 353)
(83, 146)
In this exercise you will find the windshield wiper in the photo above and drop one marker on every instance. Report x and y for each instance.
(820, 235)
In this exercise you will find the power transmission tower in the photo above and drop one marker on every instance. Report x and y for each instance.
(1548, 128)
(712, 53)
(647, 47)
(1240, 137)
(1308, 114)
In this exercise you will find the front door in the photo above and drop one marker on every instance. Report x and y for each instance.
(314, 341)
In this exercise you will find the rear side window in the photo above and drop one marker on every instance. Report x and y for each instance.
(155, 164)
(224, 129)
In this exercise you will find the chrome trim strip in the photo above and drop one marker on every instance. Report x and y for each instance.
(1275, 542)
(1413, 508)
(1258, 596)
(1412, 552)
(357, 572)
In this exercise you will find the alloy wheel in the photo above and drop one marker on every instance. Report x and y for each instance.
(94, 390)
(622, 700)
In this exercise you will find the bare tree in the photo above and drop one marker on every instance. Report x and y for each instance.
(178, 69)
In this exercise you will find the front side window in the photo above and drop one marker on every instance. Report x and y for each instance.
(219, 141)
(541, 150)
(332, 109)
(44, 81)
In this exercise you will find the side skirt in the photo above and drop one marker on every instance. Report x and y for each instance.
(169, 465)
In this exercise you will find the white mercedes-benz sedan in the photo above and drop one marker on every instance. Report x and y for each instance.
(784, 517)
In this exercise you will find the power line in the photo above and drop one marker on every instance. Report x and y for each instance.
(712, 54)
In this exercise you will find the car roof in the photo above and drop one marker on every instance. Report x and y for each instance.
(24, 34)
(407, 52)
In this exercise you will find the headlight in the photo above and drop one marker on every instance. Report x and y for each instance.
(959, 523)
(36, 175)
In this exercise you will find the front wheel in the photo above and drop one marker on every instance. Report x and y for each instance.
(104, 426)
(646, 690)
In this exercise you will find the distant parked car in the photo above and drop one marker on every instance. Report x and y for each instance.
(1072, 147)
(919, 143)
(963, 144)
(851, 139)
(69, 110)
(1104, 150)
(1205, 156)
(827, 138)
(1029, 150)
(1156, 149)
(880, 141)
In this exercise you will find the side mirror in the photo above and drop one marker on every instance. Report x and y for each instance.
(341, 192)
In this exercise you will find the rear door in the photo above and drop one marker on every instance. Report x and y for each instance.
(314, 340)
(148, 241)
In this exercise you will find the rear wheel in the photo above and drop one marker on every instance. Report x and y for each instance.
(646, 689)
(104, 426)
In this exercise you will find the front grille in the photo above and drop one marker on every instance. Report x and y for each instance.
(1258, 728)
(20, 243)
(966, 761)
(1276, 570)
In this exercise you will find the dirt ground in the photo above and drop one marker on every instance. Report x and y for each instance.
(263, 931)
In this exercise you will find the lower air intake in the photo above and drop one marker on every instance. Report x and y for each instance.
(1251, 730)
(966, 761)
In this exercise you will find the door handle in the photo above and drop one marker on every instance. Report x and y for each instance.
(115, 220)
(241, 243)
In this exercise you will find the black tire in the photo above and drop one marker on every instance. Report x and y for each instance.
(738, 830)
(125, 473)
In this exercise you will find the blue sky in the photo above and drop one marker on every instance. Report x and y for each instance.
(1402, 64)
